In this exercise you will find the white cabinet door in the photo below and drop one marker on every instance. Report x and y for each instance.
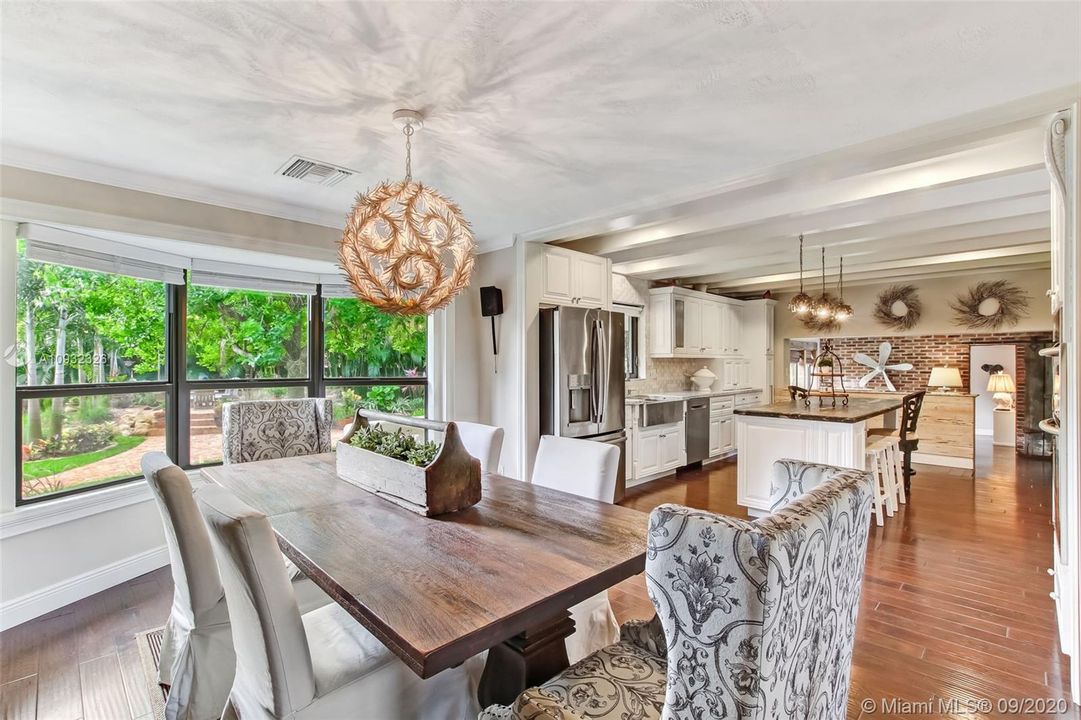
(715, 436)
(712, 328)
(589, 280)
(744, 373)
(557, 286)
(727, 434)
(688, 326)
(647, 458)
(734, 330)
(671, 448)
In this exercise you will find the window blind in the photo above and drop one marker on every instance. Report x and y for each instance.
(250, 277)
(71, 249)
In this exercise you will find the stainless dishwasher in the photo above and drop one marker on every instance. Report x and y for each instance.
(696, 426)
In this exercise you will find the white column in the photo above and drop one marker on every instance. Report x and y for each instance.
(8, 347)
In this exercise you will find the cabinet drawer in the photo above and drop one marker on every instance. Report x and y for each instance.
(721, 404)
(748, 399)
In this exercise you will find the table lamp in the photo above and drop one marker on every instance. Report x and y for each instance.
(945, 379)
(1002, 386)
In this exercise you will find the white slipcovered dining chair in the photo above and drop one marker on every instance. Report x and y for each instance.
(589, 469)
(197, 660)
(321, 664)
(270, 429)
(484, 442)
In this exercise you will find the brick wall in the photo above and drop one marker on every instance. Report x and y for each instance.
(928, 351)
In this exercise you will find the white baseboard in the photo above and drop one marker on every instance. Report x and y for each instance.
(35, 604)
(943, 460)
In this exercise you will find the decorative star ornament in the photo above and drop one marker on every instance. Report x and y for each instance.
(880, 367)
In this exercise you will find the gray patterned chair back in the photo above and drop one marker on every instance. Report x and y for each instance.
(759, 617)
(269, 429)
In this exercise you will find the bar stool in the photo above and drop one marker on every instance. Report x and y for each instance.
(883, 461)
(906, 432)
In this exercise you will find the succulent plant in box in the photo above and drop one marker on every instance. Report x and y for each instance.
(397, 445)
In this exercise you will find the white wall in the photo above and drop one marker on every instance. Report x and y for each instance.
(979, 355)
(486, 385)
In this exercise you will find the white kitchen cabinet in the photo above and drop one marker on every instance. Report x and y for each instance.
(591, 279)
(727, 434)
(758, 319)
(687, 323)
(731, 328)
(688, 327)
(712, 328)
(658, 450)
(673, 448)
(574, 278)
(647, 458)
(715, 436)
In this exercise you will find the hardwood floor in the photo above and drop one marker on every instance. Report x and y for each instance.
(955, 605)
(955, 600)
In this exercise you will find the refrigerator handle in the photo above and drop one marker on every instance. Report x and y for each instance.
(594, 381)
(602, 352)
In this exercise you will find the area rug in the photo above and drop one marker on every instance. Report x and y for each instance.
(149, 644)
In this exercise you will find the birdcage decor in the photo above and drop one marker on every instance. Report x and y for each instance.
(828, 378)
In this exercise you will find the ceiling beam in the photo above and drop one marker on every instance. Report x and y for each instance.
(972, 130)
(918, 200)
(961, 260)
(900, 250)
(1019, 214)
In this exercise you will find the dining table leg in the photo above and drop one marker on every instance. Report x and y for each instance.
(527, 659)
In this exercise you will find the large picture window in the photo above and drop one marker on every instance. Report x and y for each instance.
(91, 374)
(246, 334)
(111, 366)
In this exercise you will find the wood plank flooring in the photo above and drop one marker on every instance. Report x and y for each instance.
(955, 605)
(955, 600)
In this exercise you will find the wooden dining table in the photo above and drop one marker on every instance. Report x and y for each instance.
(498, 576)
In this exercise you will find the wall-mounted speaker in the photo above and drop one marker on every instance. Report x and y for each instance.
(491, 304)
(491, 301)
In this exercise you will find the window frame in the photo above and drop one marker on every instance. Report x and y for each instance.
(636, 312)
(178, 388)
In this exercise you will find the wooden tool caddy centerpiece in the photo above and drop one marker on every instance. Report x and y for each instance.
(448, 483)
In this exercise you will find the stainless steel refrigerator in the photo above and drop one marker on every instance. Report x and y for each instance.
(582, 378)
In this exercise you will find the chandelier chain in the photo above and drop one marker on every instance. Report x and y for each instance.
(823, 271)
(801, 263)
(408, 132)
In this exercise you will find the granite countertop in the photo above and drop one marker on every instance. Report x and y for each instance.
(683, 395)
(857, 410)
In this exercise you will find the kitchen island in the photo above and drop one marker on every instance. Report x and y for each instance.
(792, 430)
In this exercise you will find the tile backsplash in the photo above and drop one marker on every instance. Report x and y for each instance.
(668, 375)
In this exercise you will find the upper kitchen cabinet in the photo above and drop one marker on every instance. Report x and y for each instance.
(574, 278)
(686, 323)
(758, 343)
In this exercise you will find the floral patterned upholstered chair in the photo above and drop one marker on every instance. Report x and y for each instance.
(270, 429)
(754, 619)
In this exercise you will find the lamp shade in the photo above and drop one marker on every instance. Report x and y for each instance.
(1000, 382)
(945, 377)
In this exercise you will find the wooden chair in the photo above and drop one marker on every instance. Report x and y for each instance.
(883, 461)
(906, 433)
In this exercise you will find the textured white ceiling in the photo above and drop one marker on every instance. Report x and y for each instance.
(539, 112)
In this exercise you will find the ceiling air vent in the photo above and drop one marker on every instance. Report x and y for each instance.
(313, 171)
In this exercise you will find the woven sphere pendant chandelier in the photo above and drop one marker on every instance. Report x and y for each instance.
(406, 249)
